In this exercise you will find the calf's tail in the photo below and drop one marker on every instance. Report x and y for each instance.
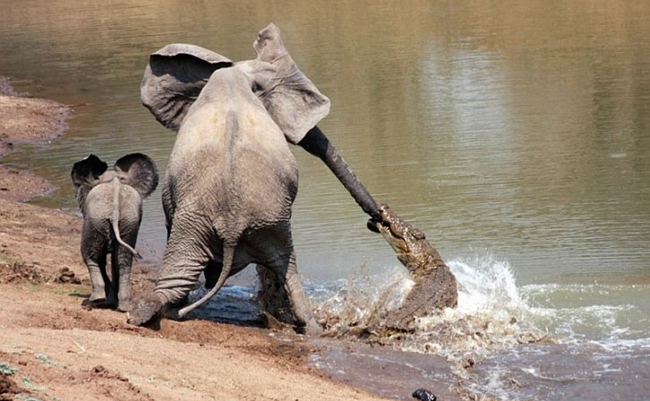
(115, 221)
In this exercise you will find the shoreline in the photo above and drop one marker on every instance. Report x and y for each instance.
(24, 119)
(57, 349)
(30, 120)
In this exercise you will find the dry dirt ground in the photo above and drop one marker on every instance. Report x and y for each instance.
(52, 348)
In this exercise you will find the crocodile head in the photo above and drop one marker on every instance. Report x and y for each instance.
(409, 243)
(435, 285)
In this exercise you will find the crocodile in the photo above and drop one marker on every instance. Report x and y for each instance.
(435, 285)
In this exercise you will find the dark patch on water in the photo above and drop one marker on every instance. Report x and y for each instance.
(232, 304)
(384, 371)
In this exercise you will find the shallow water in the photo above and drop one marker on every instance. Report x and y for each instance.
(516, 136)
(503, 341)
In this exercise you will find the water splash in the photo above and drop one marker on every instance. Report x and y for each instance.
(354, 302)
(488, 316)
(487, 286)
(508, 342)
(491, 315)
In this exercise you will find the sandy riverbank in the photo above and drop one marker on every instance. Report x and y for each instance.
(58, 350)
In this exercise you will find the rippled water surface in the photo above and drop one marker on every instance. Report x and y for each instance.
(515, 135)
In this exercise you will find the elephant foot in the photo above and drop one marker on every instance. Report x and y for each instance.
(97, 296)
(171, 310)
(274, 324)
(126, 306)
(312, 328)
(97, 300)
(96, 304)
(144, 311)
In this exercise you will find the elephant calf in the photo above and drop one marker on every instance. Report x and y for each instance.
(111, 204)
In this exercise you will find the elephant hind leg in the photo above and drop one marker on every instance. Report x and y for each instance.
(94, 251)
(123, 266)
(99, 282)
(272, 296)
(187, 254)
(121, 262)
(285, 295)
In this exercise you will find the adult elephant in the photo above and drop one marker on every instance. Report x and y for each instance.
(231, 178)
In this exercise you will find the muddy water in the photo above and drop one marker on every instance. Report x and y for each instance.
(520, 132)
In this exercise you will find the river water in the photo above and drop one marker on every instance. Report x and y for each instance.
(516, 136)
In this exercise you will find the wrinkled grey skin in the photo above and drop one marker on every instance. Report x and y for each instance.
(111, 203)
(231, 179)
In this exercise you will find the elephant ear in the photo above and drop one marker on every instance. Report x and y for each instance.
(138, 171)
(86, 174)
(174, 78)
(292, 100)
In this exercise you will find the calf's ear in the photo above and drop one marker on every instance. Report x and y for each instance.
(86, 172)
(138, 171)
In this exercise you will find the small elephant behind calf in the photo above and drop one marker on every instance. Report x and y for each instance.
(111, 204)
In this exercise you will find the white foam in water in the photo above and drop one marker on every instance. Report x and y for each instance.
(490, 316)
(490, 301)
(486, 285)
(492, 311)
(487, 317)
(598, 312)
(497, 320)
(487, 288)
(352, 302)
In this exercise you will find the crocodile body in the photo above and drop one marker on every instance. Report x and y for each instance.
(435, 286)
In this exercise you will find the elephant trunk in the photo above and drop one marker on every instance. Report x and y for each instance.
(316, 143)
(228, 255)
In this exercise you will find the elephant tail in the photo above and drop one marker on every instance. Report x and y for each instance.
(228, 255)
(115, 220)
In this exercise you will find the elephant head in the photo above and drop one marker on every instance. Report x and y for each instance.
(177, 73)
